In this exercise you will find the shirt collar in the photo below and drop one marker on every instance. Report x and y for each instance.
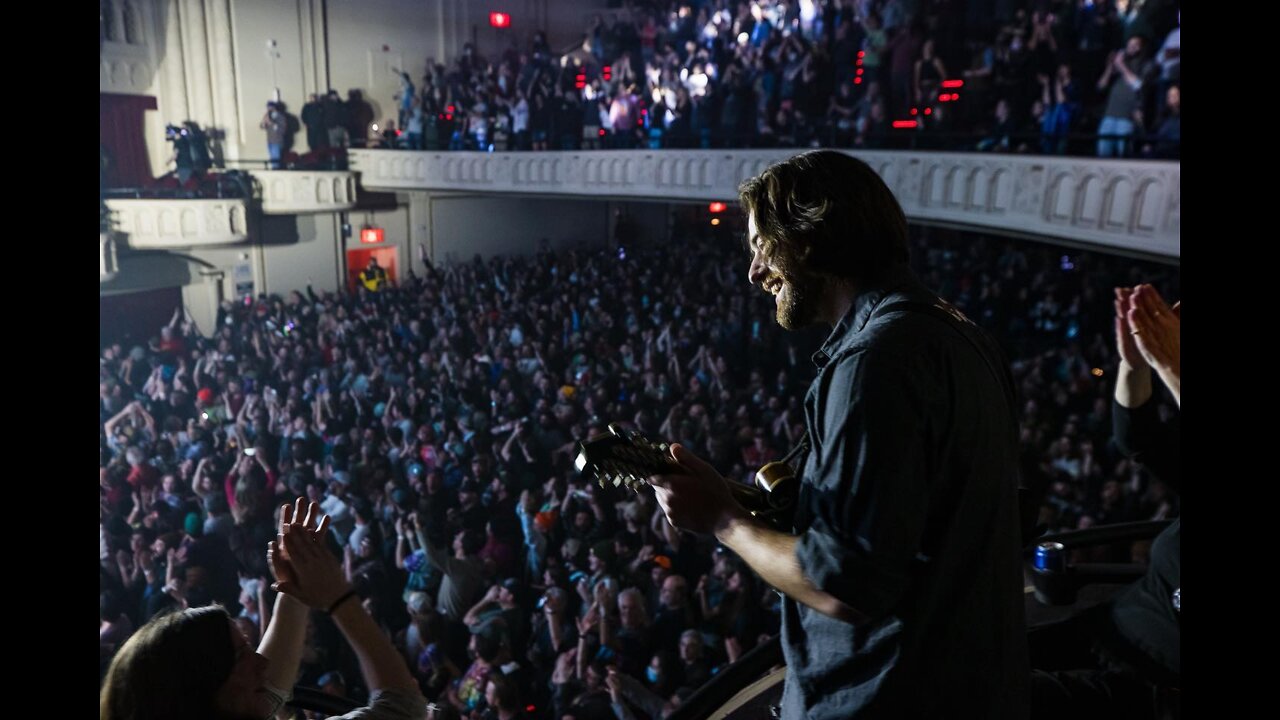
(898, 279)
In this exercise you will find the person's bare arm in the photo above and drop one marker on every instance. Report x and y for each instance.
(147, 420)
(709, 507)
(317, 581)
(111, 424)
(473, 615)
(1105, 80)
(772, 555)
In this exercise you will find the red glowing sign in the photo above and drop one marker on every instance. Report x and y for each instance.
(928, 111)
(499, 19)
(371, 236)
(717, 207)
(907, 124)
(952, 83)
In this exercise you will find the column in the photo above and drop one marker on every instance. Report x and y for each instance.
(226, 106)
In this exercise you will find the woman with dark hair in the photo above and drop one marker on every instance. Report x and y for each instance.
(193, 663)
(188, 664)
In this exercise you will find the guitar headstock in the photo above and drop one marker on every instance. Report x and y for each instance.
(624, 457)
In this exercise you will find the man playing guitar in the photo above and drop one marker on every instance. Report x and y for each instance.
(902, 576)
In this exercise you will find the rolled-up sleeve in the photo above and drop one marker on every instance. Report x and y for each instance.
(869, 479)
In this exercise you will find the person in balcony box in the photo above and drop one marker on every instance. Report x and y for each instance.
(276, 125)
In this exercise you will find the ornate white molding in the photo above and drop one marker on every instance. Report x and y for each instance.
(166, 224)
(294, 192)
(1127, 204)
(126, 63)
(107, 255)
(125, 75)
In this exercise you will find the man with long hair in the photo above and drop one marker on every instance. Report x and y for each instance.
(902, 575)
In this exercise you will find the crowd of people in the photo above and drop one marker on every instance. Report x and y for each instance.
(1000, 76)
(435, 424)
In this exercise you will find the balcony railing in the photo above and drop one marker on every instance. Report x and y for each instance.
(1133, 205)
(294, 192)
(164, 223)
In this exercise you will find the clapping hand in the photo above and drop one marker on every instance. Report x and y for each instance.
(303, 566)
(1155, 328)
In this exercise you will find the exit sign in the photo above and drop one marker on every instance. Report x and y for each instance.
(371, 236)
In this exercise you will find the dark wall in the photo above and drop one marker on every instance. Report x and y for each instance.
(134, 318)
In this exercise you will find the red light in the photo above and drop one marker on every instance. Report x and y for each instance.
(914, 111)
(904, 124)
(944, 97)
(448, 116)
(450, 109)
(371, 236)
(952, 83)
(861, 53)
(499, 19)
(859, 63)
(717, 207)
(859, 71)
(955, 97)
(857, 81)
(928, 111)
(530, 708)
(608, 72)
(601, 131)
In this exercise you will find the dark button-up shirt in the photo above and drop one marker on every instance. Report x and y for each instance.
(908, 513)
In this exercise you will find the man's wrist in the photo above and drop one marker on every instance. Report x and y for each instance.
(734, 526)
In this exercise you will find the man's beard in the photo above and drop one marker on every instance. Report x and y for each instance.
(797, 301)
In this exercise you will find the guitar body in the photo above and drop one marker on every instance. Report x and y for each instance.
(749, 689)
(755, 701)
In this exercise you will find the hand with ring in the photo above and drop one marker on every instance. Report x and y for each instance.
(1155, 331)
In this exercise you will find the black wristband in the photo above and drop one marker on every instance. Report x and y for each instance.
(336, 603)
